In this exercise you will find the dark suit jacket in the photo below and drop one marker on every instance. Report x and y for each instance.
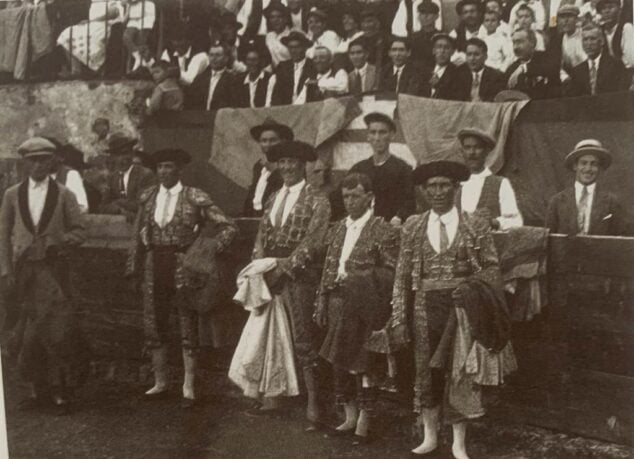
(491, 82)
(115, 202)
(272, 185)
(611, 77)
(197, 93)
(370, 81)
(410, 81)
(606, 214)
(241, 93)
(421, 46)
(448, 87)
(541, 81)
(284, 84)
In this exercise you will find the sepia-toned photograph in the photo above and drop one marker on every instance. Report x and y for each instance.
(297, 229)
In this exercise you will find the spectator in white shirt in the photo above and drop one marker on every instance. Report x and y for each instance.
(278, 24)
(619, 35)
(329, 81)
(189, 61)
(139, 21)
(500, 47)
(525, 19)
(318, 34)
(350, 29)
(68, 177)
(539, 13)
(496, 6)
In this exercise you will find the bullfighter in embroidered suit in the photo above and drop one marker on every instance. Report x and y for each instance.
(173, 226)
(292, 230)
(447, 297)
(40, 222)
(354, 299)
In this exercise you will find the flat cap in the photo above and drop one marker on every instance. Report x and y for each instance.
(119, 144)
(589, 147)
(176, 155)
(269, 124)
(291, 149)
(568, 9)
(378, 117)
(479, 133)
(451, 169)
(37, 146)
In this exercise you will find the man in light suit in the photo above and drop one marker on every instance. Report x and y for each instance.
(40, 222)
(363, 78)
(586, 208)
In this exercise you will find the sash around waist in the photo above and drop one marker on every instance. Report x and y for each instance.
(442, 284)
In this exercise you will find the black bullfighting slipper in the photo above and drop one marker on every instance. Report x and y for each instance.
(434, 453)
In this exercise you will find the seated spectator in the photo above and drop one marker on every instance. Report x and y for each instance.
(63, 174)
(211, 90)
(330, 81)
(278, 23)
(470, 26)
(600, 72)
(525, 19)
(479, 82)
(441, 80)
(428, 13)
(74, 159)
(533, 72)
(539, 13)
(496, 6)
(499, 45)
(377, 43)
(619, 34)
(167, 95)
(350, 28)
(318, 34)
(298, 10)
(363, 77)
(402, 76)
(190, 60)
(407, 20)
(144, 65)
(290, 77)
(228, 26)
(252, 87)
(139, 21)
(565, 42)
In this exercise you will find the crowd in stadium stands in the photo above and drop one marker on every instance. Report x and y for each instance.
(273, 52)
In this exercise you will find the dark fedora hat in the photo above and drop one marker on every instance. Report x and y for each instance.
(451, 169)
(73, 157)
(297, 36)
(429, 7)
(278, 6)
(291, 149)
(269, 124)
(177, 155)
(589, 147)
(378, 117)
(119, 143)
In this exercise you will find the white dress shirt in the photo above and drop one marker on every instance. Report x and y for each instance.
(450, 220)
(296, 21)
(253, 86)
(578, 191)
(328, 39)
(477, 76)
(141, 15)
(213, 82)
(260, 187)
(298, 68)
(572, 53)
(500, 53)
(75, 183)
(342, 48)
(336, 82)
(353, 231)
(189, 71)
(472, 189)
(165, 207)
(293, 195)
(439, 71)
(627, 43)
(279, 52)
(37, 198)
(538, 8)
(126, 178)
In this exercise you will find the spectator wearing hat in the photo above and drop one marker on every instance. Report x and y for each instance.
(539, 13)
(290, 77)
(266, 180)
(251, 15)
(402, 77)
(619, 35)
(188, 58)
(298, 10)
(211, 90)
(330, 81)
(363, 77)
(376, 40)
(252, 87)
(600, 72)
(585, 207)
(127, 180)
(498, 6)
(228, 26)
(471, 13)
(407, 20)
(350, 27)
(483, 192)
(292, 230)
(317, 33)
(40, 224)
(167, 95)
(278, 20)
(70, 178)
(565, 40)
(448, 266)
(421, 40)
(499, 45)
(391, 176)
(533, 72)
(172, 218)
(479, 82)
(441, 80)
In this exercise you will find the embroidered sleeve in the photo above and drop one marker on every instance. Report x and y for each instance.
(403, 276)
(224, 227)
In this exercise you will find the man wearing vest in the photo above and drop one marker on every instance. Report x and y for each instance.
(619, 35)
(490, 195)
(289, 81)
(586, 208)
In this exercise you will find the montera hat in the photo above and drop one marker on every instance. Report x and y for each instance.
(180, 157)
(479, 133)
(269, 124)
(451, 169)
(119, 144)
(291, 149)
(297, 36)
(37, 146)
(589, 147)
(378, 117)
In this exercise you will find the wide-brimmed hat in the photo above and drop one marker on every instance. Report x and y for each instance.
(269, 124)
(297, 36)
(479, 133)
(73, 157)
(451, 169)
(291, 149)
(119, 143)
(589, 147)
(378, 117)
(37, 146)
(177, 155)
